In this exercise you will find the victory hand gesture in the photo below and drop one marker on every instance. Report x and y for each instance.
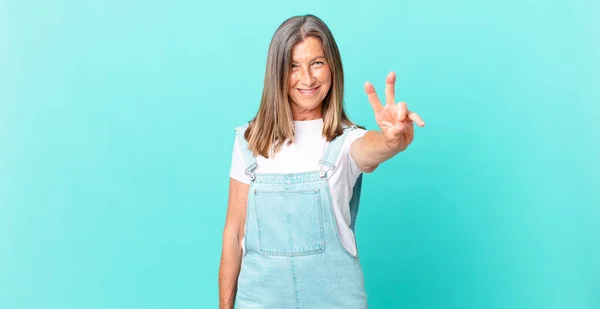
(394, 120)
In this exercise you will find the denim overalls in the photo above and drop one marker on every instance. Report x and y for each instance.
(293, 257)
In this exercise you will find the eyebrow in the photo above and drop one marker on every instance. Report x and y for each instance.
(311, 60)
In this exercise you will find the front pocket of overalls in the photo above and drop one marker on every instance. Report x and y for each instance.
(290, 223)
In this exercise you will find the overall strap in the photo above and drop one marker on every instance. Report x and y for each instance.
(249, 158)
(332, 152)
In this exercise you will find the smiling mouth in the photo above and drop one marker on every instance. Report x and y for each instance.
(308, 91)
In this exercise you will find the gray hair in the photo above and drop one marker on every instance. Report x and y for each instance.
(274, 122)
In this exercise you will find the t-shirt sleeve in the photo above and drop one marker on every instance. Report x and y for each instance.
(353, 169)
(238, 166)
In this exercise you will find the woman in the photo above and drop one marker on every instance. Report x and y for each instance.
(296, 169)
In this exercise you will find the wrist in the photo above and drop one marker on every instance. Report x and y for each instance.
(396, 145)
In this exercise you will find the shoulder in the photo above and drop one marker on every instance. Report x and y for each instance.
(242, 128)
(353, 132)
(353, 127)
(345, 159)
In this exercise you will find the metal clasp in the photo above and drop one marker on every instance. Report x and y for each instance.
(250, 171)
(324, 170)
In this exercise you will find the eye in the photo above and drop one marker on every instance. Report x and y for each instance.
(318, 62)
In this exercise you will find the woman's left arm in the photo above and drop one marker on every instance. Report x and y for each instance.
(397, 129)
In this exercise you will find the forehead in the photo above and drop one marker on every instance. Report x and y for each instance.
(308, 49)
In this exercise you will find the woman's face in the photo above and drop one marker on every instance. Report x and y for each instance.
(310, 79)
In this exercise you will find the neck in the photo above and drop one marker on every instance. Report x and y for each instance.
(307, 114)
(306, 117)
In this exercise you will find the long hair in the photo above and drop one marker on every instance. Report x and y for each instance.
(273, 124)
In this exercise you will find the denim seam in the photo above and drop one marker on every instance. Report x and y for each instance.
(294, 281)
(287, 178)
(285, 192)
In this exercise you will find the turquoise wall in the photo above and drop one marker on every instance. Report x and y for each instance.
(116, 131)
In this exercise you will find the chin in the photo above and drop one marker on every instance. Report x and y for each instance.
(308, 105)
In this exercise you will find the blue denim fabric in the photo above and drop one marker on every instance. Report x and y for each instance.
(293, 255)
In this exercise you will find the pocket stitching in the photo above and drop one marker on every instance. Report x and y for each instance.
(319, 245)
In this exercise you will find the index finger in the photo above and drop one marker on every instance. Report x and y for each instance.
(373, 99)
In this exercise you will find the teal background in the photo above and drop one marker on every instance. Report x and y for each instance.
(116, 131)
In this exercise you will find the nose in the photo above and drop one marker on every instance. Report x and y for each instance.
(307, 77)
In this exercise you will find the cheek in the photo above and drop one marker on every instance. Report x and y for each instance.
(325, 76)
(292, 80)
(291, 83)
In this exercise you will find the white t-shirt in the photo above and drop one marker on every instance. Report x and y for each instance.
(303, 156)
